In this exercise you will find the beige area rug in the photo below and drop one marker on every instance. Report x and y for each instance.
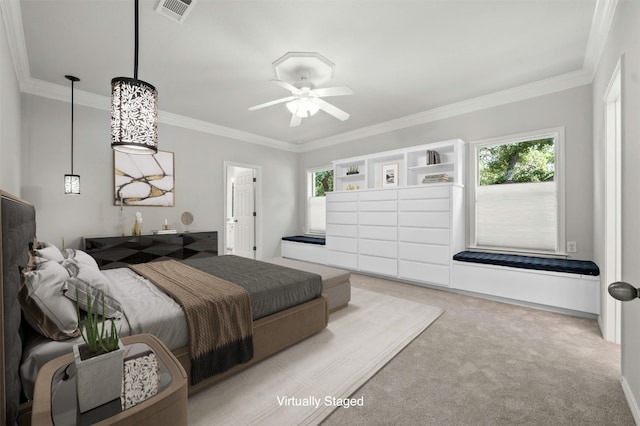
(305, 383)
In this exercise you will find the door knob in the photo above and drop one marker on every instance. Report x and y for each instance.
(623, 291)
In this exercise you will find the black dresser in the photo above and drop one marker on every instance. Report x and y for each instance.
(118, 252)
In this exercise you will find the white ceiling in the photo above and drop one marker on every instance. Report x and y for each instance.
(403, 59)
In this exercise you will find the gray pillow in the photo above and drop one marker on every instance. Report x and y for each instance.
(44, 307)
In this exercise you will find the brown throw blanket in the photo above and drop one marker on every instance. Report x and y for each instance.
(218, 315)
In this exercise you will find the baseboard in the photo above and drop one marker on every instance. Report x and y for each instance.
(631, 400)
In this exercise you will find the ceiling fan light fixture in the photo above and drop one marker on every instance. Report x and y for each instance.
(302, 107)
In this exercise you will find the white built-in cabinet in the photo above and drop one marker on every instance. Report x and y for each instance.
(409, 231)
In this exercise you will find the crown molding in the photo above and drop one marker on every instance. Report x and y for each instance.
(526, 91)
(12, 16)
(600, 26)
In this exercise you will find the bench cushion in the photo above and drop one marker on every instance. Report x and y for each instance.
(572, 266)
(305, 239)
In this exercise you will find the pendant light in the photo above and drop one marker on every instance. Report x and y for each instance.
(134, 110)
(71, 182)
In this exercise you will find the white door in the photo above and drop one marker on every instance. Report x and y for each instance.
(244, 214)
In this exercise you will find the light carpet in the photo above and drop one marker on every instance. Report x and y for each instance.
(305, 383)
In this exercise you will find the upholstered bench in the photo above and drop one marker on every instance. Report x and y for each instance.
(336, 284)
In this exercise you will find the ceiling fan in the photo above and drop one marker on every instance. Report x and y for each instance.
(300, 73)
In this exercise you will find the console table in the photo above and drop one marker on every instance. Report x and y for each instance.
(118, 252)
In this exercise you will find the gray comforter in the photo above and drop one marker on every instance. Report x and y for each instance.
(272, 287)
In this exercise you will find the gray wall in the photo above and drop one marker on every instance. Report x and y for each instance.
(9, 119)
(199, 172)
(569, 108)
(624, 39)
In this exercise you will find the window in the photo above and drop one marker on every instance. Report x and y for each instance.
(319, 182)
(517, 196)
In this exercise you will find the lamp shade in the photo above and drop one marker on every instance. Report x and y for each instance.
(134, 116)
(302, 107)
(71, 184)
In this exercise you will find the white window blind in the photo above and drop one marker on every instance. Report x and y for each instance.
(317, 216)
(517, 216)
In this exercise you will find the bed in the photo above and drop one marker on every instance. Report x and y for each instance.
(271, 332)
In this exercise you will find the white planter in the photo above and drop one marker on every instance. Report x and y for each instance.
(98, 379)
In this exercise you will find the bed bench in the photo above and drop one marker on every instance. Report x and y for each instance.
(336, 284)
(562, 284)
(304, 247)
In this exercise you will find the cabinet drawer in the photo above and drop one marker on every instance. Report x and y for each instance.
(426, 205)
(378, 218)
(424, 253)
(424, 272)
(424, 192)
(378, 265)
(390, 194)
(424, 219)
(350, 206)
(389, 233)
(342, 218)
(378, 248)
(342, 244)
(341, 196)
(342, 260)
(424, 235)
(378, 206)
(338, 230)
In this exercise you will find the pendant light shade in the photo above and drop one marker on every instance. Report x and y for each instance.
(134, 110)
(71, 181)
(134, 116)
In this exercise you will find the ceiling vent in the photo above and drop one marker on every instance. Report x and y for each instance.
(176, 10)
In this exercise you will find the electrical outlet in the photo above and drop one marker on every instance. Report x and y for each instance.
(572, 247)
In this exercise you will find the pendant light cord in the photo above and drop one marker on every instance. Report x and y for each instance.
(135, 59)
(72, 126)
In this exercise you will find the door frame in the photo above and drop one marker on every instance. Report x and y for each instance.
(258, 203)
(612, 317)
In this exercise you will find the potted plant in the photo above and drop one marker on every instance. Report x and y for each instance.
(353, 170)
(98, 360)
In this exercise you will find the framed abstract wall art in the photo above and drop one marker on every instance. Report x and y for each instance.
(144, 180)
(390, 175)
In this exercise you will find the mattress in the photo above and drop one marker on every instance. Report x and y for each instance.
(147, 309)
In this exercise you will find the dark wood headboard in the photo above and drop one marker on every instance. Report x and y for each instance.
(18, 230)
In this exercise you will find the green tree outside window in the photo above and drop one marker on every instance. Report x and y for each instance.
(530, 161)
(323, 182)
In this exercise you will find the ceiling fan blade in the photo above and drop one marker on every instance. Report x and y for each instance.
(295, 120)
(293, 89)
(277, 101)
(332, 91)
(330, 109)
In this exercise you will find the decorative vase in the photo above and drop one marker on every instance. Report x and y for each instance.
(136, 229)
(98, 378)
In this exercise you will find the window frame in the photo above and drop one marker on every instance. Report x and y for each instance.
(559, 178)
(310, 193)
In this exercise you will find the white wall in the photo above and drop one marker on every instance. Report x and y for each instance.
(9, 119)
(199, 172)
(569, 108)
(623, 40)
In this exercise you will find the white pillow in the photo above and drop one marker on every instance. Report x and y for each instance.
(44, 307)
(81, 257)
(49, 252)
(85, 280)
